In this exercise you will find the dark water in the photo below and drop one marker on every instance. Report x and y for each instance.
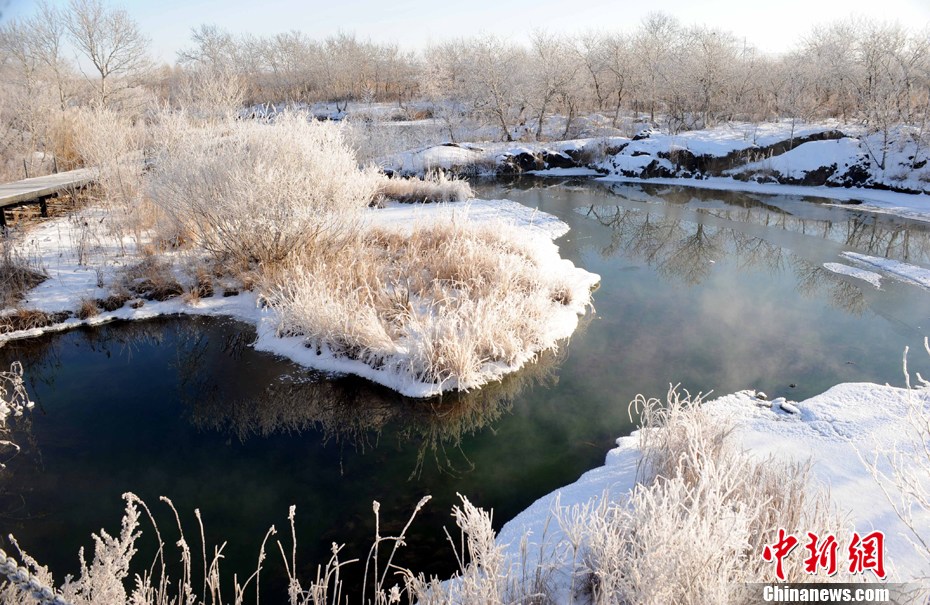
(713, 290)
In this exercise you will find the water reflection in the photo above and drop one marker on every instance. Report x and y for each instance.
(346, 410)
(885, 236)
(685, 250)
(350, 411)
(813, 279)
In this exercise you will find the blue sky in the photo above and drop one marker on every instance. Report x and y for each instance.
(771, 26)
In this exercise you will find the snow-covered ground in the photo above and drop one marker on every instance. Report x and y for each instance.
(826, 160)
(78, 259)
(905, 272)
(870, 276)
(839, 431)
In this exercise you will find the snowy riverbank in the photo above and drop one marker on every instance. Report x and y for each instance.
(83, 264)
(839, 432)
(827, 160)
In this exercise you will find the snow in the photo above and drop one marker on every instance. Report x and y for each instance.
(809, 157)
(836, 431)
(446, 157)
(408, 216)
(905, 272)
(636, 163)
(873, 278)
(735, 136)
(56, 243)
(565, 172)
(913, 207)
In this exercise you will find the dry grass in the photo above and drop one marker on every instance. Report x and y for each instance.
(17, 278)
(693, 529)
(435, 187)
(111, 143)
(201, 285)
(454, 304)
(30, 319)
(152, 279)
(113, 301)
(18, 274)
(87, 309)
(63, 141)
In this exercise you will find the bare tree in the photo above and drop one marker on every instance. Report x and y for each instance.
(211, 82)
(31, 107)
(47, 31)
(111, 40)
(713, 55)
(621, 67)
(444, 85)
(551, 74)
(831, 50)
(495, 80)
(653, 46)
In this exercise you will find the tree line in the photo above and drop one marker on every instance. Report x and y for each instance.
(661, 73)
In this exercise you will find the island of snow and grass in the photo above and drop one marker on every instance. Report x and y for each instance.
(336, 276)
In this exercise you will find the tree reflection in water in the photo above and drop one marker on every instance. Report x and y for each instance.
(682, 245)
(349, 410)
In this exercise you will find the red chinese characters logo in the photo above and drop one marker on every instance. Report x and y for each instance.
(778, 551)
(822, 554)
(863, 553)
(868, 553)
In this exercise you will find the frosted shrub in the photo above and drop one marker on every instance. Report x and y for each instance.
(13, 396)
(112, 146)
(259, 192)
(484, 579)
(903, 470)
(693, 528)
(14, 399)
(452, 304)
(435, 187)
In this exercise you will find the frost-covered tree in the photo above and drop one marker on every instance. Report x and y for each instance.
(714, 61)
(211, 80)
(831, 52)
(622, 69)
(889, 61)
(654, 46)
(113, 44)
(551, 76)
(38, 87)
(496, 80)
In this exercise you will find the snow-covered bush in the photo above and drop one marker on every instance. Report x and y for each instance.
(453, 304)
(13, 396)
(903, 470)
(112, 146)
(256, 192)
(693, 528)
(434, 187)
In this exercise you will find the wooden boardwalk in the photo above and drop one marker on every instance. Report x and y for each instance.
(39, 189)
